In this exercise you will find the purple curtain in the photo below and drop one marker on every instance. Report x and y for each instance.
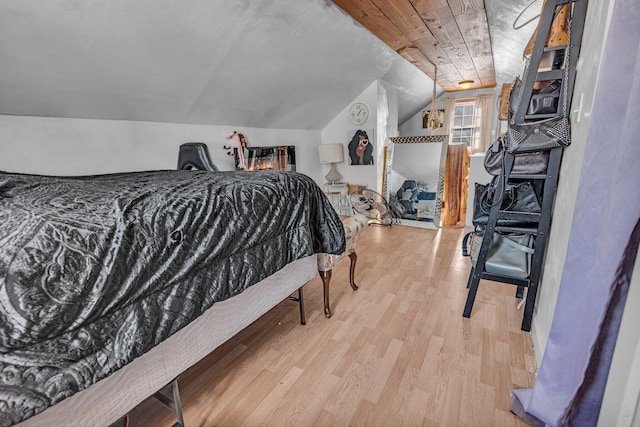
(570, 383)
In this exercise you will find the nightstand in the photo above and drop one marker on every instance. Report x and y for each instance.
(338, 195)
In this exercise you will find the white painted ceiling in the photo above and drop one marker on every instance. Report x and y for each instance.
(283, 64)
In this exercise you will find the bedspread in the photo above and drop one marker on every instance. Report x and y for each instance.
(96, 270)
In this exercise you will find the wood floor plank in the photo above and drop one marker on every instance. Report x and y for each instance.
(395, 352)
(346, 397)
(304, 412)
(269, 405)
(386, 364)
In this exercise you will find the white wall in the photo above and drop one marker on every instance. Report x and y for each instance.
(59, 146)
(477, 174)
(413, 126)
(340, 130)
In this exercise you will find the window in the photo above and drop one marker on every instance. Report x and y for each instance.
(462, 131)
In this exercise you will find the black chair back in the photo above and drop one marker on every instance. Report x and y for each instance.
(195, 155)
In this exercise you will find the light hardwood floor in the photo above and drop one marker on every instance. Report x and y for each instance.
(397, 352)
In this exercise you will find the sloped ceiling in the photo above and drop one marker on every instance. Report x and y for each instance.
(474, 40)
(450, 35)
(273, 64)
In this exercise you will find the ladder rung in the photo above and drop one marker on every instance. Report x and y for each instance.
(522, 229)
(519, 216)
(551, 48)
(544, 95)
(505, 279)
(540, 116)
(528, 176)
(550, 75)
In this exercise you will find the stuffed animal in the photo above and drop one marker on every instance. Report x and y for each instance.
(236, 144)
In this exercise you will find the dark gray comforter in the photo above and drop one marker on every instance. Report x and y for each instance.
(95, 271)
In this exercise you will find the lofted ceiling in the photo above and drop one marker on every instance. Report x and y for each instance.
(276, 64)
(452, 35)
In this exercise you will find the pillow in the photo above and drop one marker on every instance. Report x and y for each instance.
(406, 195)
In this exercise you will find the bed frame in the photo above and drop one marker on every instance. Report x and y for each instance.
(112, 398)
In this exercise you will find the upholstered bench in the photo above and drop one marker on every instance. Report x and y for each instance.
(353, 225)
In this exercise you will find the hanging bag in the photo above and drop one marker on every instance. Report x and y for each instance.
(523, 164)
(542, 134)
(509, 254)
(517, 198)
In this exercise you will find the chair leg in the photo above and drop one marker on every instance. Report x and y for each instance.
(326, 279)
(352, 270)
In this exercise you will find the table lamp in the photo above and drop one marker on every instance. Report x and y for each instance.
(331, 153)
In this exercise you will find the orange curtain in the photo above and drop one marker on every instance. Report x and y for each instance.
(455, 185)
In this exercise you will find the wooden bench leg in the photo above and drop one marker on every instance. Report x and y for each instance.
(352, 270)
(326, 279)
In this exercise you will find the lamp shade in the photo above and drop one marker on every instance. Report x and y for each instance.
(330, 153)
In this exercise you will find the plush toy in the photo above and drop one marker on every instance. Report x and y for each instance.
(236, 144)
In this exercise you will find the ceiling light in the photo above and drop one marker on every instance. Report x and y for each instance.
(466, 84)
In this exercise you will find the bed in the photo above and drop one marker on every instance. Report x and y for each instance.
(112, 285)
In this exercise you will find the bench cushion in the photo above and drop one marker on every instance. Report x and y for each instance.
(353, 225)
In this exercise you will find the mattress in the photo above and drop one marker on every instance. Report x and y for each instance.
(109, 399)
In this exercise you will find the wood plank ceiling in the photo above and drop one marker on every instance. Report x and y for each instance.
(450, 34)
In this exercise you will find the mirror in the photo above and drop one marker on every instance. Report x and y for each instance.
(414, 182)
(279, 158)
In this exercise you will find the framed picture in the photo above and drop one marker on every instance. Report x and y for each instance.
(360, 148)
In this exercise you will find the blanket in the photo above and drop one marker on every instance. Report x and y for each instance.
(97, 270)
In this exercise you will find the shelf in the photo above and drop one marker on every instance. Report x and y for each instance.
(527, 177)
(540, 116)
(519, 229)
(544, 95)
(549, 75)
(505, 279)
(546, 184)
(337, 193)
(519, 216)
(552, 48)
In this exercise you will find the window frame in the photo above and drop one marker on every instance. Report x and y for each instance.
(467, 140)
